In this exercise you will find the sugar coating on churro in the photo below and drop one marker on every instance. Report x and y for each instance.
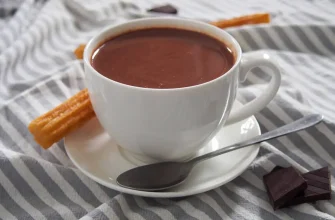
(52, 126)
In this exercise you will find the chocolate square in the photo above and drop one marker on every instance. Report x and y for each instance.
(167, 9)
(282, 185)
(318, 187)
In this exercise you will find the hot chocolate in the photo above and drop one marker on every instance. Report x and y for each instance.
(162, 58)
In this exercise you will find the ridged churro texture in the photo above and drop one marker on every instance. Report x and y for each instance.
(52, 126)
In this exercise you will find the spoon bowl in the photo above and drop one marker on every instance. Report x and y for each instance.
(143, 177)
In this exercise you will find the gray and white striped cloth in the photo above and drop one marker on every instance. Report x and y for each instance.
(38, 71)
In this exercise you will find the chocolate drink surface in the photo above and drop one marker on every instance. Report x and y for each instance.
(162, 58)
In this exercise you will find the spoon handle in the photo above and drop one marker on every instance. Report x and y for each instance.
(297, 125)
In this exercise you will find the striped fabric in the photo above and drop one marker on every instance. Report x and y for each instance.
(38, 71)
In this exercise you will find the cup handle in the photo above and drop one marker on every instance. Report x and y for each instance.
(248, 62)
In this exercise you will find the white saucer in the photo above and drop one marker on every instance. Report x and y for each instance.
(94, 153)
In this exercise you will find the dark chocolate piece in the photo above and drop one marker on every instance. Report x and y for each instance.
(167, 9)
(283, 185)
(318, 187)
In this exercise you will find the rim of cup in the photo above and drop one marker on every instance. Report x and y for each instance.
(197, 26)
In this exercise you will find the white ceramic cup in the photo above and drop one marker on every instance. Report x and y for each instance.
(171, 124)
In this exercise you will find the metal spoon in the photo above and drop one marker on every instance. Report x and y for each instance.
(159, 176)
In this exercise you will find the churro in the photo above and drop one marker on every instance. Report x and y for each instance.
(79, 52)
(52, 126)
(243, 20)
